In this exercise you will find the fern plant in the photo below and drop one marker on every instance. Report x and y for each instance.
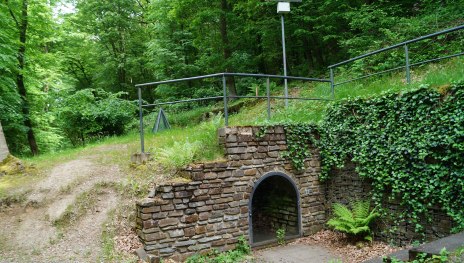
(354, 222)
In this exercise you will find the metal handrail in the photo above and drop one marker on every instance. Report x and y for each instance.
(225, 97)
(398, 45)
(228, 74)
(407, 65)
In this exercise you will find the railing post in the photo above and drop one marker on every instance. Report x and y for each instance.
(332, 84)
(285, 61)
(408, 66)
(268, 94)
(224, 91)
(142, 142)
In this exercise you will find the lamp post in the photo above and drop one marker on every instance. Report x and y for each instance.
(283, 7)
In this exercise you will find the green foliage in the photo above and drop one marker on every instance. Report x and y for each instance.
(280, 235)
(242, 249)
(180, 153)
(90, 113)
(355, 222)
(409, 145)
(299, 138)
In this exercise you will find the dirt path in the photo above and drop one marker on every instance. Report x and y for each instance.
(30, 233)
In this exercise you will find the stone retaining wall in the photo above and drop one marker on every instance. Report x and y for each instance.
(211, 211)
(345, 185)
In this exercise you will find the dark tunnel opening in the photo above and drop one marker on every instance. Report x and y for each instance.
(274, 206)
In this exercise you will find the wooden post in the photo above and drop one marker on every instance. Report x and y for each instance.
(4, 152)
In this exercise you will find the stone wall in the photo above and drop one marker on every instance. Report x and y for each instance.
(345, 185)
(281, 215)
(211, 211)
(3, 146)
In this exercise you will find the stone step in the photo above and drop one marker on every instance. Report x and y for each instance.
(402, 255)
(451, 243)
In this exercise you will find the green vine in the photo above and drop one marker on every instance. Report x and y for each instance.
(299, 139)
(261, 132)
(411, 146)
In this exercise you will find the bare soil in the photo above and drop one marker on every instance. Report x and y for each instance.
(28, 232)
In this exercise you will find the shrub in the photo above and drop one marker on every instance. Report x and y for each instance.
(354, 222)
(91, 113)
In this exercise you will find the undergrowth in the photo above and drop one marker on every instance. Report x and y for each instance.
(242, 249)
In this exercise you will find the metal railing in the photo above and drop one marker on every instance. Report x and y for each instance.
(407, 64)
(225, 96)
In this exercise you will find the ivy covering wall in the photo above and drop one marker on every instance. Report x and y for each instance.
(410, 145)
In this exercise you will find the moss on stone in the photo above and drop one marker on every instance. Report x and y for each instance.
(11, 165)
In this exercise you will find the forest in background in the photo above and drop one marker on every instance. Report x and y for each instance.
(68, 68)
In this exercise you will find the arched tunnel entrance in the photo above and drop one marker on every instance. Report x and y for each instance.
(274, 205)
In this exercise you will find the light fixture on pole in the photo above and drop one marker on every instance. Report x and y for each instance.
(283, 7)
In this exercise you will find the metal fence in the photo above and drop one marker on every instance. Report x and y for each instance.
(225, 96)
(407, 64)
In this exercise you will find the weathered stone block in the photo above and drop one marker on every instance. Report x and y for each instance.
(190, 219)
(155, 236)
(189, 232)
(166, 251)
(196, 204)
(210, 176)
(204, 208)
(176, 233)
(167, 207)
(185, 243)
(182, 194)
(168, 222)
(250, 172)
(200, 230)
(176, 213)
(159, 215)
(151, 209)
(234, 204)
(167, 195)
(150, 223)
(231, 217)
(209, 239)
(199, 247)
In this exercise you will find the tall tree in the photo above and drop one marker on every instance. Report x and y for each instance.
(22, 26)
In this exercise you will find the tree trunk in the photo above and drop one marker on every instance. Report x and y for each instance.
(20, 78)
(227, 53)
(3, 146)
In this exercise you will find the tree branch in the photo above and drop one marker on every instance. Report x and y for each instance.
(12, 14)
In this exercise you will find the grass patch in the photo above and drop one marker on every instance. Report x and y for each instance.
(239, 254)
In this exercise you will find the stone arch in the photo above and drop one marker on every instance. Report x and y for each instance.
(268, 213)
